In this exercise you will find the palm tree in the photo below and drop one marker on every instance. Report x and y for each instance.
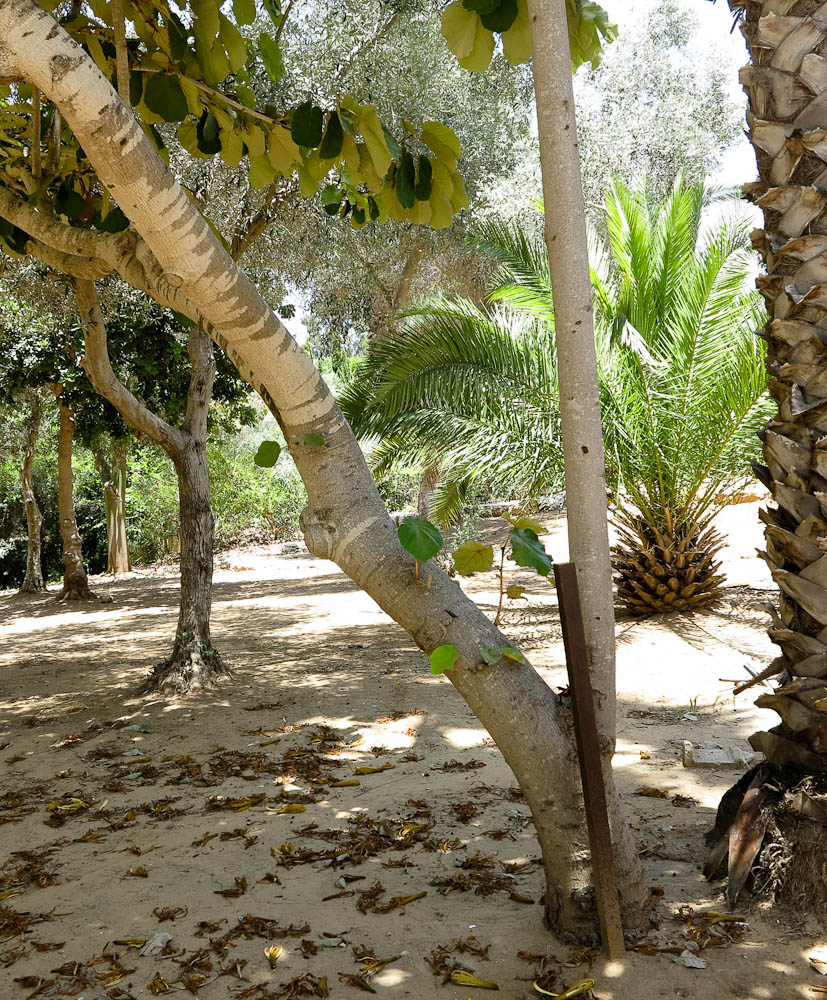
(681, 373)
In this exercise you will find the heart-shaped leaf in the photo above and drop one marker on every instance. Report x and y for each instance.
(421, 538)
(473, 557)
(267, 454)
(443, 658)
(526, 550)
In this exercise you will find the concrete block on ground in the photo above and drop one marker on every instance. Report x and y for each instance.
(712, 757)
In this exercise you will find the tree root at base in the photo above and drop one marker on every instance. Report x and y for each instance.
(191, 668)
(80, 592)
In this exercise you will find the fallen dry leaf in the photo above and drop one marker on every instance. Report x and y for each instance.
(652, 793)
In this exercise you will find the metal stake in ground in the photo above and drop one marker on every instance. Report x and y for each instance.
(588, 750)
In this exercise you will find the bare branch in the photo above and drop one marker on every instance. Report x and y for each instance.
(283, 20)
(360, 50)
(99, 369)
(76, 267)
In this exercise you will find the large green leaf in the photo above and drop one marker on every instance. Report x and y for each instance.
(267, 454)
(421, 538)
(405, 180)
(470, 41)
(163, 96)
(270, 52)
(527, 550)
(517, 40)
(501, 17)
(473, 557)
(245, 11)
(424, 179)
(333, 139)
(443, 658)
(308, 122)
(207, 133)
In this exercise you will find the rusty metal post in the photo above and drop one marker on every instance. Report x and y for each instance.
(591, 770)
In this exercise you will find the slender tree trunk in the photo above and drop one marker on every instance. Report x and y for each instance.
(75, 583)
(568, 253)
(194, 663)
(33, 581)
(345, 519)
(112, 471)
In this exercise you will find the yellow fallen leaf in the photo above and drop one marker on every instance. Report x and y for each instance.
(644, 755)
(67, 806)
(138, 872)
(295, 808)
(373, 770)
(461, 978)
(573, 991)
(346, 783)
(273, 954)
(652, 793)
(131, 942)
(518, 898)
(11, 892)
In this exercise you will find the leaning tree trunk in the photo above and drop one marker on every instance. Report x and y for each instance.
(112, 472)
(75, 583)
(33, 581)
(787, 89)
(345, 519)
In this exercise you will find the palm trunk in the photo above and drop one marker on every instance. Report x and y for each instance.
(75, 583)
(787, 88)
(33, 581)
(582, 434)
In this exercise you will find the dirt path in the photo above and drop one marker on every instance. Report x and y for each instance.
(236, 792)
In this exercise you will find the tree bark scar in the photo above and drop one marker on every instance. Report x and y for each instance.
(62, 65)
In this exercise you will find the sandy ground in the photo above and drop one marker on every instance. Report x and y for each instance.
(224, 806)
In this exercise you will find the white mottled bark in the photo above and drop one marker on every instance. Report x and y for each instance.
(345, 519)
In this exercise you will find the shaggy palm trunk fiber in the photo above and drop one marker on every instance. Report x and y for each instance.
(787, 88)
(33, 581)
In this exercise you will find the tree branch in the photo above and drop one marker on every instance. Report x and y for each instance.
(356, 54)
(99, 369)
(83, 253)
(37, 169)
(283, 20)
(75, 267)
(121, 53)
